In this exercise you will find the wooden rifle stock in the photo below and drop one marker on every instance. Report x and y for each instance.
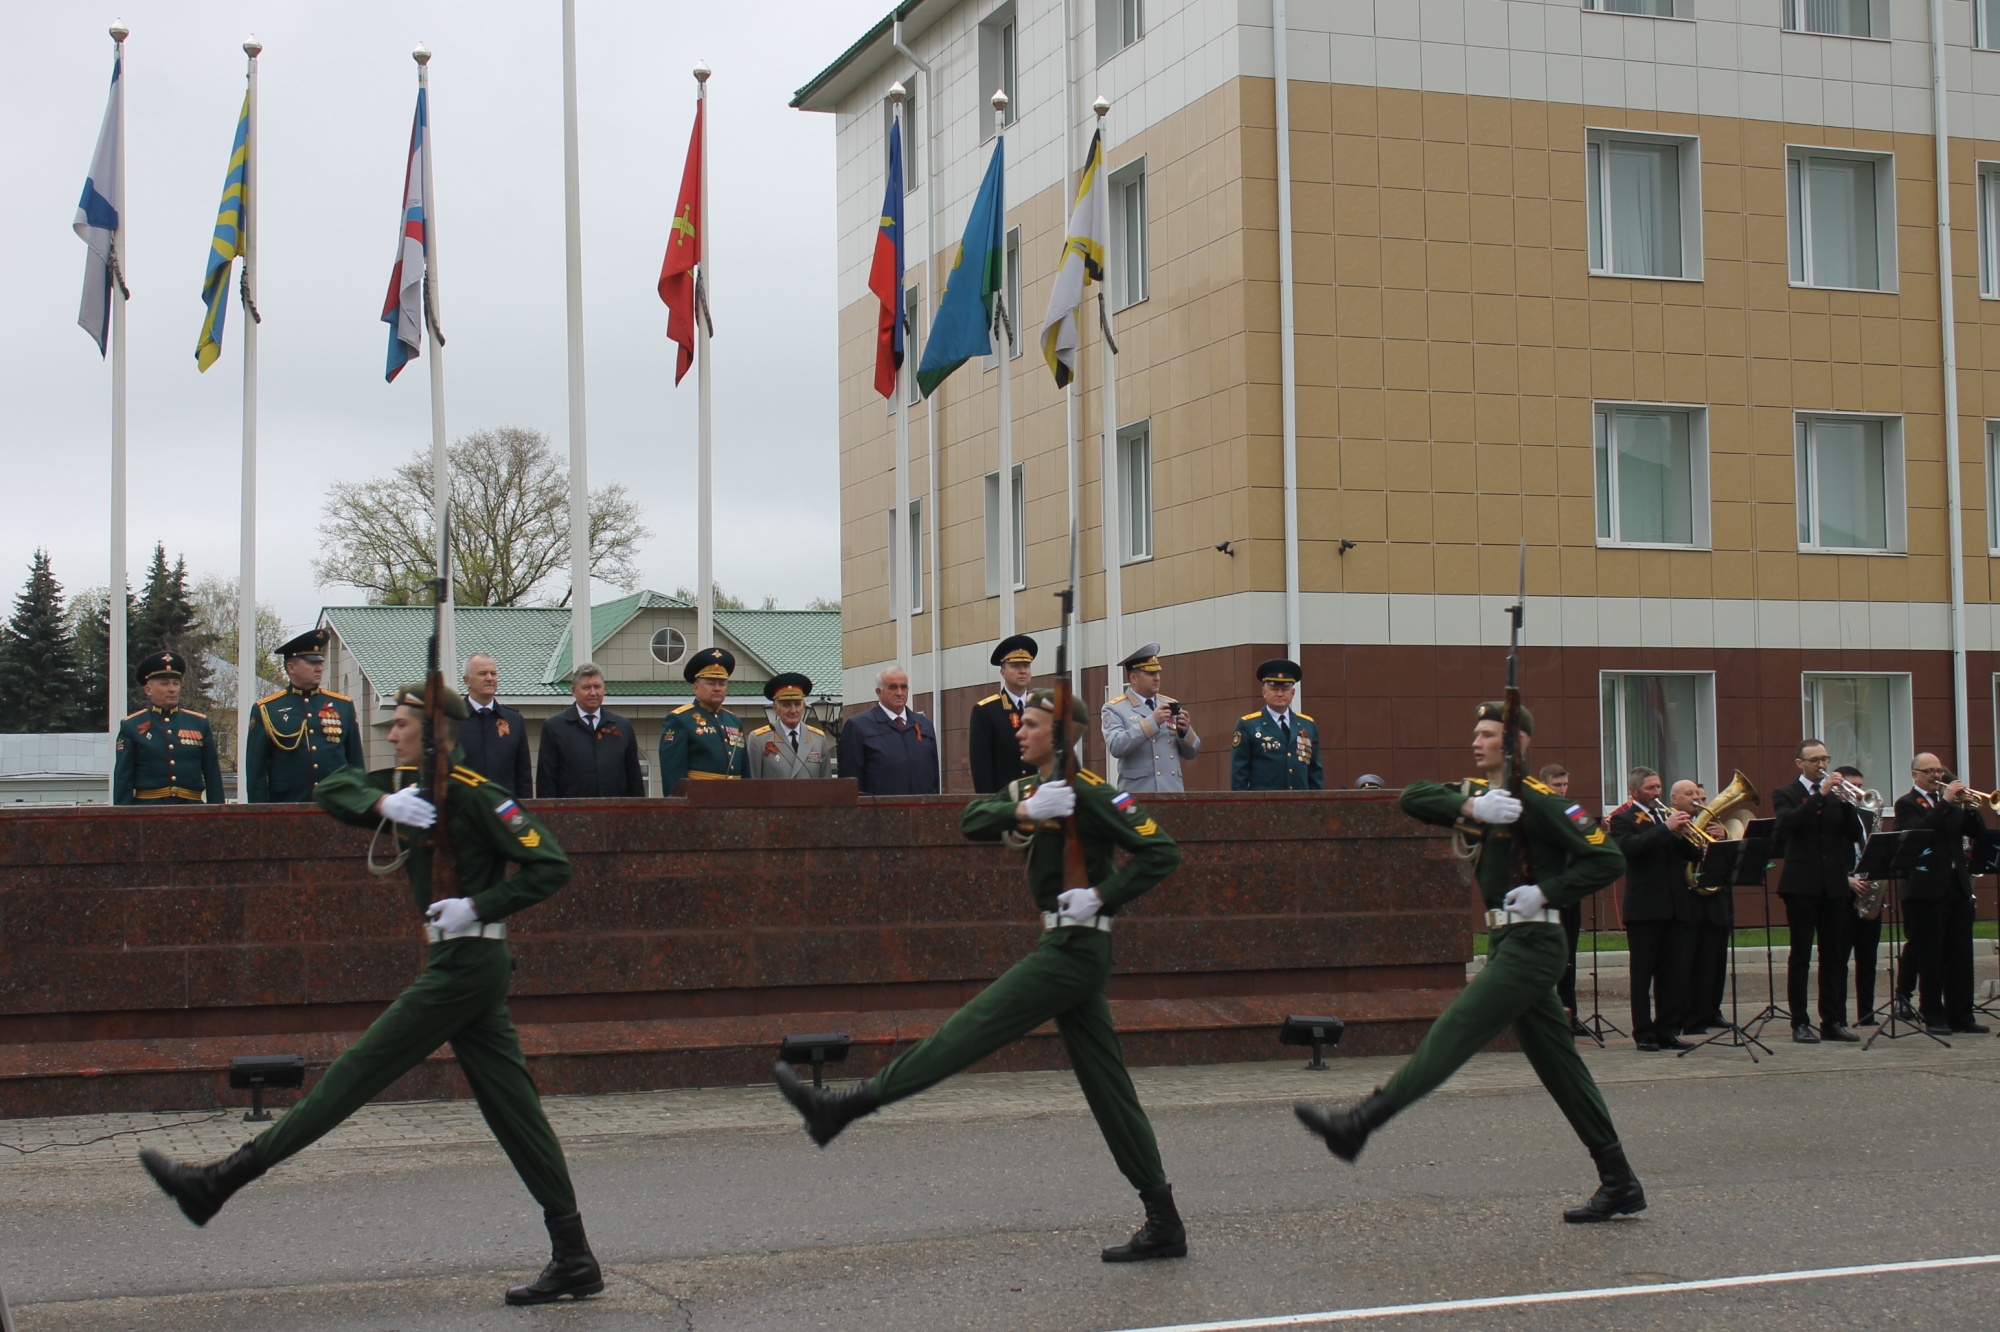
(1076, 870)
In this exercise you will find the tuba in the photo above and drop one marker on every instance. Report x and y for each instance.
(1722, 819)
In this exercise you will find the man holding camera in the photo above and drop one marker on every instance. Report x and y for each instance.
(1149, 734)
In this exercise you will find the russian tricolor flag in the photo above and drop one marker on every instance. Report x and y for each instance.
(403, 310)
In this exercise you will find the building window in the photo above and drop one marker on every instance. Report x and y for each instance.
(913, 342)
(1648, 8)
(1652, 476)
(909, 82)
(669, 646)
(1842, 219)
(916, 549)
(1135, 491)
(1835, 18)
(997, 65)
(1993, 487)
(1665, 722)
(1986, 19)
(1863, 720)
(1119, 24)
(1850, 483)
(1989, 223)
(993, 534)
(1010, 295)
(1644, 202)
(1130, 279)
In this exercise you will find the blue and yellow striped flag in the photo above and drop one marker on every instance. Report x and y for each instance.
(228, 243)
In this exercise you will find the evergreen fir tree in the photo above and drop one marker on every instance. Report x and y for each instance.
(43, 690)
(166, 621)
(90, 628)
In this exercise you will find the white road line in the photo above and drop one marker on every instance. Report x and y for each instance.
(1569, 1296)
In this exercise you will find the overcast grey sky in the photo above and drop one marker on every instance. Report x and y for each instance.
(337, 89)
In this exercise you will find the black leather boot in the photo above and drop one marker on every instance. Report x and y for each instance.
(1163, 1235)
(572, 1269)
(826, 1112)
(201, 1190)
(1618, 1192)
(1346, 1131)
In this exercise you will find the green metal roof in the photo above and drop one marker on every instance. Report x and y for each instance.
(605, 620)
(790, 640)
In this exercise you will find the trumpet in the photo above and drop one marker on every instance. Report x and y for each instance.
(1985, 801)
(1842, 789)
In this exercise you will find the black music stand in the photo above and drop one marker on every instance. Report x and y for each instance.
(1724, 867)
(1596, 1026)
(1766, 831)
(1892, 855)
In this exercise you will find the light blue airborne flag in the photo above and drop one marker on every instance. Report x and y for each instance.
(97, 215)
(227, 243)
(964, 327)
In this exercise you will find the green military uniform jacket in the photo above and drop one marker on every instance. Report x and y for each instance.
(1261, 759)
(166, 757)
(297, 739)
(1107, 819)
(695, 742)
(1569, 855)
(489, 830)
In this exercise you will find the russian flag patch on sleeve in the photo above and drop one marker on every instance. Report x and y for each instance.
(1575, 814)
(1121, 802)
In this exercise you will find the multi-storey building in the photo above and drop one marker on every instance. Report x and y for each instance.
(1651, 285)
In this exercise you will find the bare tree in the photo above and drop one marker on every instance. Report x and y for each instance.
(510, 526)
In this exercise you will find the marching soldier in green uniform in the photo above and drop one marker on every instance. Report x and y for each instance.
(166, 754)
(1566, 857)
(1062, 979)
(1275, 748)
(461, 997)
(702, 740)
(302, 733)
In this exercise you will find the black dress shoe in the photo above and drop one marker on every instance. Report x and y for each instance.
(1803, 1034)
(826, 1113)
(1835, 1031)
(1674, 1043)
(1970, 1028)
(1345, 1132)
(572, 1272)
(1936, 1028)
(201, 1190)
(1647, 1045)
(1905, 1011)
(1695, 1029)
(1618, 1192)
(1869, 1021)
(1579, 1029)
(1163, 1235)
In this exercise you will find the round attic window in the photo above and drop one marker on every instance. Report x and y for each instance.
(669, 646)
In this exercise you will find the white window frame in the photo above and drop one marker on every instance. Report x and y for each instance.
(1986, 25)
(992, 512)
(1125, 291)
(1902, 741)
(1614, 762)
(1799, 249)
(1135, 510)
(1878, 22)
(1597, 197)
(1120, 25)
(1987, 193)
(1993, 490)
(1683, 10)
(1010, 293)
(1895, 492)
(916, 556)
(673, 658)
(999, 66)
(909, 82)
(1698, 479)
(913, 341)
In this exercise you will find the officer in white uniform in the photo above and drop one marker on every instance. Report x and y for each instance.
(1149, 734)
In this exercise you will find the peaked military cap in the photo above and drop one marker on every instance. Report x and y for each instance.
(162, 663)
(1498, 712)
(1045, 699)
(1280, 671)
(412, 696)
(790, 685)
(709, 664)
(1146, 658)
(1015, 650)
(311, 645)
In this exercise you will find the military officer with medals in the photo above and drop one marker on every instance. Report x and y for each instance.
(702, 740)
(1275, 748)
(166, 754)
(1148, 733)
(301, 734)
(992, 751)
(788, 747)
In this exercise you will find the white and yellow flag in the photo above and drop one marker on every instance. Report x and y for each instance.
(1082, 264)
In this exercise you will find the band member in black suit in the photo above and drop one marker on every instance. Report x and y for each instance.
(1556, 777)
(1714, 924)
(1937, 896)
(993, 750)
(1659, 909)
(1818, 828)
(1867, 927)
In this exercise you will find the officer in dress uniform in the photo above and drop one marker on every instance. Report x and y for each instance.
(788, 747)
(702, 740)
(1276, 749)
(991, 752)
(1147, 732)
(166, 754)
(301, 734)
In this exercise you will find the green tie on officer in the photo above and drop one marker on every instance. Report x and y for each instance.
(1062, 979)
(302, 733)
(165, 754)
(702, 740)
(1567, 857)
(1275, 748)
(460, 998)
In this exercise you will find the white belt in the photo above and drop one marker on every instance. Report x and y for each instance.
(1500, 916)
(479, 929)
(1053, 920)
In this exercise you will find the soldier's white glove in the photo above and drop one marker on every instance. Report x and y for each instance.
(1527, 900)
(1051, 800)
(1495, 807)
(453, 913)
(1078, 903)
(407, 807)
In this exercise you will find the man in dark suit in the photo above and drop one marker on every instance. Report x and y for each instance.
(1867, 928)
(1659, 907)
(891, 749)
(1818, 828)
(1937, 896)
(993, 749)
(588, 750)
(494, 737)
(1714, 928)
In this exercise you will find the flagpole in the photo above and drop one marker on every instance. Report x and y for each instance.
(901, 598)
(704, 475)
(1112, 538)
(246, 557)
(579, 452)
(1073, 612)
(1005, 351)
(115, 586)
(440, 457)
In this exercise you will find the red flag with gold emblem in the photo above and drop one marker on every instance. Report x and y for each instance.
(677, 283)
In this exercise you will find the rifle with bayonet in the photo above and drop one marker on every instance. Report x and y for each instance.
(1076, 870)
(435, 777)
(1510, 719)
